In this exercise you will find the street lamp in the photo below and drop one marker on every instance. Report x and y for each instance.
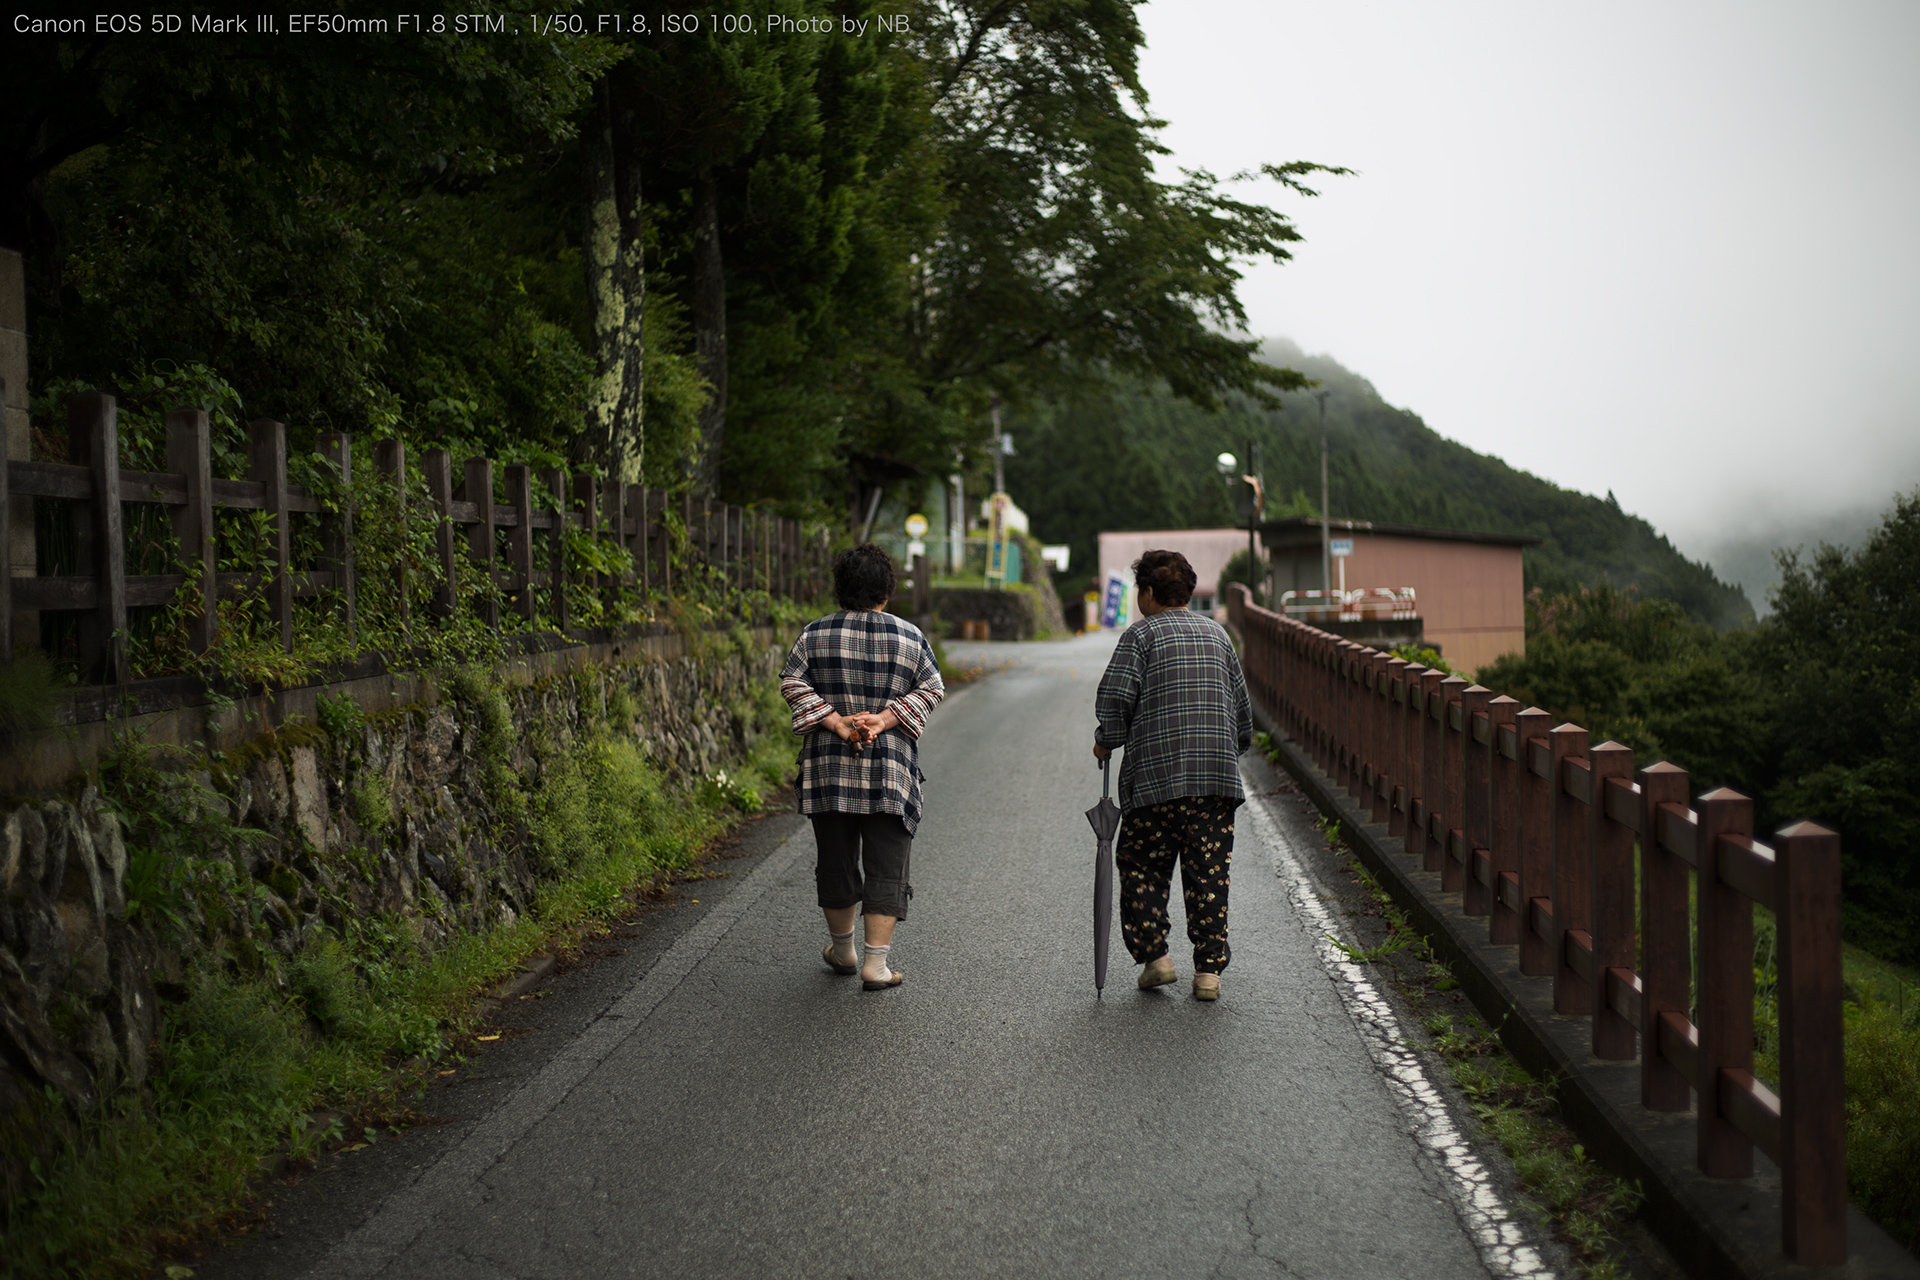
(1226, 462)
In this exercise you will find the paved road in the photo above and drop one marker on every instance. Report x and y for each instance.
(740, 1111)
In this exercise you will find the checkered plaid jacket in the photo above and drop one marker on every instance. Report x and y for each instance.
(1174, 697)
(849, 662)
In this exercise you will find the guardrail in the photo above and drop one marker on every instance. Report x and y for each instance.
(750, 549)
(1537, 829)
(1350, 606)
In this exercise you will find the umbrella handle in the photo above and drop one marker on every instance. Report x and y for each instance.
(1103, 779)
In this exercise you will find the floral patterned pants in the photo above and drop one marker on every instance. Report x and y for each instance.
(1197, 832)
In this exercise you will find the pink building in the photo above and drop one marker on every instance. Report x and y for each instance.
(1469, 588)
(1207, 550)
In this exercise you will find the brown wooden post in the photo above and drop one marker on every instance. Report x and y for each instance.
(478, 484)
(390, 459)
(1503, 821)
(437, 464)
(613, 519)
(94, 443)
(520, 541)
(1534, 728)
(1407, 734)
(557, 550)
(336, 527)
(1813, 1121)
(1724, 1013)
(1612, 846)
(6, 538)
(1453, 742)
(585, 494)
(1379, 776)
(659, 541)
(1476, 818)
(1433, 785)
(1572, 869)
(190, 454)
(1397, 683)
(634, 536)
(267, 463)
(1666, 955)
(1351, 733)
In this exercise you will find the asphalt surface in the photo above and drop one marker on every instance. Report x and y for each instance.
(718, 1103)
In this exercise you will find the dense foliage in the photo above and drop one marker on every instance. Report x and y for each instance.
(1814, 711)
(777, 269)
(1141, 458)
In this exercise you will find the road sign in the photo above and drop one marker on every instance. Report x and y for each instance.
(1340, 546)
(916, 525)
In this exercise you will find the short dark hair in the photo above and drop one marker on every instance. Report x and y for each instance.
(862, 577)
(1168, 574)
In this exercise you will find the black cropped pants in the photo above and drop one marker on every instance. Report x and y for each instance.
(850, 844)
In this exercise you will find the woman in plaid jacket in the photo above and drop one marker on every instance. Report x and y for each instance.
(861, 683)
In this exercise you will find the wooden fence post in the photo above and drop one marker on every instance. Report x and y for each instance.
(1724, 1012)
(6, 540)
(1433, 703)
(267, 463)
(1453, 743)
(557, 550)
(336, 528)
(94, 442)
(1379, 775)
(1813, 1130)
(390, 459)
(1666, 953)
(520, 541)
(634, 535)
(1476, 817)
(437, 464)
(1533, 728)
(1572, 869)
(659, 541)
(1503, 822)
(190, 454)
(1398, 670)
(1611, 842)
(585, 493)
(477, 485)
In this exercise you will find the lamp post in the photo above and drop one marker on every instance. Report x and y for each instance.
(1326, 526)
(1254, 498)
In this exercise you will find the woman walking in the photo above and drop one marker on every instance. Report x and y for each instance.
(861, 683)
(1174, 697)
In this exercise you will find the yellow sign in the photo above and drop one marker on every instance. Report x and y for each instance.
(916, 525)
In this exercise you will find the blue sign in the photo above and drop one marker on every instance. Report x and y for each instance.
(1113, 610)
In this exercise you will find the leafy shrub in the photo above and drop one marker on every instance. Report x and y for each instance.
(26, 693)
(1883, 1115)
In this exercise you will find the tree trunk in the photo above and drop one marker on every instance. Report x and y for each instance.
(614, 259)
(710, 329)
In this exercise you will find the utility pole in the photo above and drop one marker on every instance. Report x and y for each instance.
(999, 453)
(1326, 524)
(1253, 514)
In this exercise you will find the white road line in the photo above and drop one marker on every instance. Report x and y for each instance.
(1488, 1219)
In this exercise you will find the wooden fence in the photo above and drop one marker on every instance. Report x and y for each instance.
(1536, 829)
(748, 549)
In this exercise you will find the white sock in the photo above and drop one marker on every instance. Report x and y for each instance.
(873, 951)
(843, 952)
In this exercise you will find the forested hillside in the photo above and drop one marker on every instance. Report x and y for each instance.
(1142, 459)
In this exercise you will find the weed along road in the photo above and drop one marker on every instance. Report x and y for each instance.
(737, 1110)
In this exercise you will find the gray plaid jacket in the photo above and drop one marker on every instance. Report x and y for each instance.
(849, 662)
(1174, 697)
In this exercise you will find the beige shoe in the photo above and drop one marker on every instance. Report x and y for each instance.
(1206, 986)
(1158, 974)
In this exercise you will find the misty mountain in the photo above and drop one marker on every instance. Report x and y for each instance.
(1748, 562)
(1141, 459)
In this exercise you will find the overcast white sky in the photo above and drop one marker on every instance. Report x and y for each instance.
(1671, 250)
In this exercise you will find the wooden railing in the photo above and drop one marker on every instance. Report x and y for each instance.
(1537, 830)
(748, 549)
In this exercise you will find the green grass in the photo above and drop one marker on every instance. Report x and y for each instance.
(355, 1023)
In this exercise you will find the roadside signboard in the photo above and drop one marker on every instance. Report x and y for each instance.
(1340, 546)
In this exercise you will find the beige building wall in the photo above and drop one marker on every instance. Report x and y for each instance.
(1471, 596)
(13, 368)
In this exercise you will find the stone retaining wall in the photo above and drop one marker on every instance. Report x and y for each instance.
(79, 984)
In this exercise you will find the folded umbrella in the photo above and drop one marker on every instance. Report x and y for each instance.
(1105, 820)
